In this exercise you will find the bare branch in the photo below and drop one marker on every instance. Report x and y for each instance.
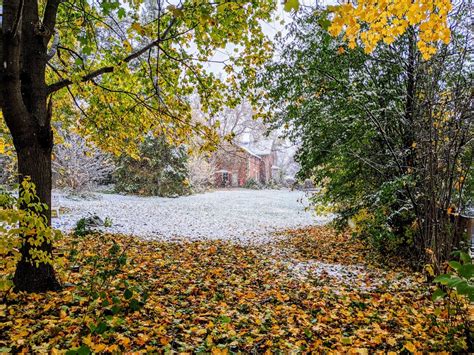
(54, 47)
(109, 69)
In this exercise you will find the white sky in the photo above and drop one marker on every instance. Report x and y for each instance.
(269, 28)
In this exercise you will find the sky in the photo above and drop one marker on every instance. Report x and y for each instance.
(280, 20)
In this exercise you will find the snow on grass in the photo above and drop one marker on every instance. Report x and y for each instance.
(237, 215)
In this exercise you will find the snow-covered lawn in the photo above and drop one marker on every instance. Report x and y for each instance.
(238, 215)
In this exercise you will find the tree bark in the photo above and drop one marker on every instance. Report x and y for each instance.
(24, 41)
(34, 161)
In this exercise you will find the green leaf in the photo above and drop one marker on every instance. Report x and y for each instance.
(134, 305)
(443, 279)
(464, 288)
(87, 50)
(5, 285)
(438, 294)
(101, 328)
(454, 281)
(128, 294)
(292, 5)
(115, 309)
(467, 271)
(224, 319)
(466, 259)
(455, 265)
(324, 22)
(83, 350)
(121, 13)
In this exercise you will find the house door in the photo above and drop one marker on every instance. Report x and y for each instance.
(225, 179)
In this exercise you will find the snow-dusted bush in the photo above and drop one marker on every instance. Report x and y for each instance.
(201, 170)
(79, 166)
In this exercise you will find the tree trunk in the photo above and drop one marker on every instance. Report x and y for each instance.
(24, 39)
(34, 161)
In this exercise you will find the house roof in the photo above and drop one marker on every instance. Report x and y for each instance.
(246, 149)
(259, 148)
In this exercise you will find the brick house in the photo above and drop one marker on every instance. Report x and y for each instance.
(238, 163)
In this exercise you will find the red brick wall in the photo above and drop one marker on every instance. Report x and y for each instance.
(254, 164)
(266, 167)
(238, 162)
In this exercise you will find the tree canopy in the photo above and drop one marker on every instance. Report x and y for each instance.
(387, 135)
(120, 69)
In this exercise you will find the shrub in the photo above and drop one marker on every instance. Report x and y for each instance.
(456, 288)
(253, 184)
(78, 166)
(23, 226)
(160, 171)
(201, 172)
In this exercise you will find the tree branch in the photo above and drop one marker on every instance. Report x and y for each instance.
(13, 108)
(49, 18)
(109, 69)
(54, 47)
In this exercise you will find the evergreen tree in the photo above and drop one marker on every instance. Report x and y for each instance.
(160, 171)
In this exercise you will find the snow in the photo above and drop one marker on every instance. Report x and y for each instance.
(237, 215)
(358, 277)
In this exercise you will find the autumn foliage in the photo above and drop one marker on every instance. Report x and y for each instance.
(369, 22)
(125, 294)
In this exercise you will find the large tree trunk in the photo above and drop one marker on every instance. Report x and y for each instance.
(34, 161)
(24, 39)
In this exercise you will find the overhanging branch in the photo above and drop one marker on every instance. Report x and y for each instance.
(109, 69)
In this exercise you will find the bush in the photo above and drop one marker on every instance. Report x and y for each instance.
(78, 166)
(160, 171)
(456, 288)
(20, 227)
(201, 172)
(253, 184)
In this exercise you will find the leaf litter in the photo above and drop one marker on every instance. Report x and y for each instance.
(310, 290)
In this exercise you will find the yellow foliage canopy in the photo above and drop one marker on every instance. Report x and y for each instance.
(371, 21)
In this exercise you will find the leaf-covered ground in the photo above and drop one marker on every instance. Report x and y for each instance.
(313, 290)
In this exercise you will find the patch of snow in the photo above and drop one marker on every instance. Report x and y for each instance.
(237, 215)
(352, 276)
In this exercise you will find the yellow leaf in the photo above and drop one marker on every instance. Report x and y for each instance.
(99, 347)
(164, 341)
(391, 341)
(410, 347)
(124, 341)
(62, 314)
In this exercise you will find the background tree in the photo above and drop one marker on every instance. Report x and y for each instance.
(388, 136)
(79, 166)
(160, 171)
